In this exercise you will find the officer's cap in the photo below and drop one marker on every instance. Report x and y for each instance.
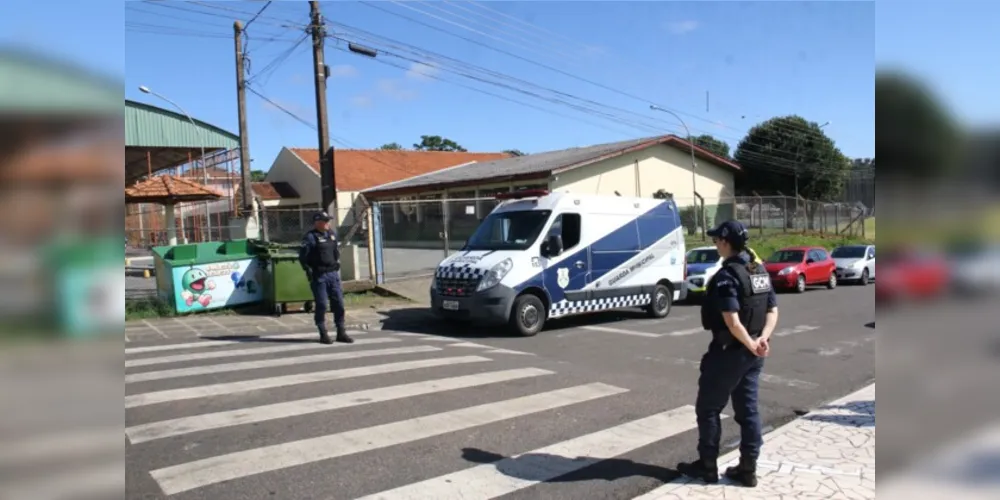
(731, 231)
(321, 216)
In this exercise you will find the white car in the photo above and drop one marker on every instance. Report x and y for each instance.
(702, 264)
(855, 263)
(976, 270)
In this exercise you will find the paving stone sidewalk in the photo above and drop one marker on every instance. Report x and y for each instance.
(827, 453)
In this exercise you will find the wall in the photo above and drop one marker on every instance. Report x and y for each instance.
(645, 172)
(289, 168)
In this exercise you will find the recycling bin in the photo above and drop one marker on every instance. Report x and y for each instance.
(286, 282)
(89, 292)
(213, 275)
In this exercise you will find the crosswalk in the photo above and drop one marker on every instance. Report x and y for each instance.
(221, 418)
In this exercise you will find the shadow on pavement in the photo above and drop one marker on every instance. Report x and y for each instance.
(529, 467)
(861, 414)
(421, 320)
(265, 340)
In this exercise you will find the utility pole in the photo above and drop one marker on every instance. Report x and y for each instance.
(241, 106)
(328, 173)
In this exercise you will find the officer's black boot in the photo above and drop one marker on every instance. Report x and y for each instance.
(744, 473)
(706, 471)
(324, 338)
(342, 336)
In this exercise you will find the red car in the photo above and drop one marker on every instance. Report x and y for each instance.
(796, 268)
(911, 273)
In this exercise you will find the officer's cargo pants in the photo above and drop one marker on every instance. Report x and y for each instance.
(727, 372)
(327, 293)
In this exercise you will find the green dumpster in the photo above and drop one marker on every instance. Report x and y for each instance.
(206, 276)
(286, 282)
(89, 293)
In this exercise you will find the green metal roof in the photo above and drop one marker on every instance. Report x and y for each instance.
(34, 84)
(148, 126)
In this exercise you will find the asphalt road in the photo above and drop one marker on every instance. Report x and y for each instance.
(591, 408)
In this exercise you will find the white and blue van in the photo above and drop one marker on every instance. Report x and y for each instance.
(542, 255)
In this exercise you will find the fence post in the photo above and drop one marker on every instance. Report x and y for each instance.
(370, 219)
(376, 231)
(444, 224)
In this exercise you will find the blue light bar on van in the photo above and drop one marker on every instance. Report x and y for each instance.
(524, 193)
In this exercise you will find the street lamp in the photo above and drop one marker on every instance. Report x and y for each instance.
(694, 176)
(204, 170)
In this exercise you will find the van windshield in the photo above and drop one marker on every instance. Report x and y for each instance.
(703, 256)
(515, 230)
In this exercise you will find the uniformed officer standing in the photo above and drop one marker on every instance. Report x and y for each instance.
(320, 258)
(741, 311)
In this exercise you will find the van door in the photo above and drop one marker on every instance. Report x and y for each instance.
(568, 271)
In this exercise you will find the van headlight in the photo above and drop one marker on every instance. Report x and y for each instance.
(495, 275)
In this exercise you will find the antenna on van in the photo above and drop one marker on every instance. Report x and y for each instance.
(617, 193)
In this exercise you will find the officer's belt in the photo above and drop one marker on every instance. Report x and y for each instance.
(326, 269)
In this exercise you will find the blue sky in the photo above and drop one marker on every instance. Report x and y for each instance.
(755, 59)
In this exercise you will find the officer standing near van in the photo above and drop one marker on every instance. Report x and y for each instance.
(320, 259)
(741, 311)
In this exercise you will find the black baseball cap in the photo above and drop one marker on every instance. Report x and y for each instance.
(321, 216)
(731, 231)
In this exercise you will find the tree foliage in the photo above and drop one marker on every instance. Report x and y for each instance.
(915, 135)
(392, 146)
(774, 151)
(514, 152)
(863, 165)
(437, 143)
(716, 146)
(257, 175)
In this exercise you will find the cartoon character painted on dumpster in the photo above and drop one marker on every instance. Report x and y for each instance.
(195, 284)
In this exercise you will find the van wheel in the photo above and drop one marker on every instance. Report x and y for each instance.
(662, 301)
(527, 317)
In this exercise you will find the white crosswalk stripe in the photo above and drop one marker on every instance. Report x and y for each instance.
(183, 411)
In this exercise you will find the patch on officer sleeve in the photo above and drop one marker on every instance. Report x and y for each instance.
(760, 283)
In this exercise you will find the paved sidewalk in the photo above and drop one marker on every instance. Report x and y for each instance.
(828, 453)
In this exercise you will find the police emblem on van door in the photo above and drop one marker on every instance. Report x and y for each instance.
(562, 277)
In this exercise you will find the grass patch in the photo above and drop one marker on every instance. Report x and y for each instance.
(870, 228)
(149, 308)
(770, 242)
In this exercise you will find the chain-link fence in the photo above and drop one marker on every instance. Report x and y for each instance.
(417, 234)
(289, 224)
(790, 215)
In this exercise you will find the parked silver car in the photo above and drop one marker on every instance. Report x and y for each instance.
(855, 263)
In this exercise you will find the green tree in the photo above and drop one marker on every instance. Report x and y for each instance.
(789, 154)
(392, 146)
(716, 146)
(257, 175)
(514, 152)
(917, 138)
(437, 143)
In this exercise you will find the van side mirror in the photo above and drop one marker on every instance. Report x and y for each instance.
(553, 245)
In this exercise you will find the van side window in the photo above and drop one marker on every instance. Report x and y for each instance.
(569, 227)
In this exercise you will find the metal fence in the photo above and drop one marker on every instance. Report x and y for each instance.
(145, 225)
(417, 234)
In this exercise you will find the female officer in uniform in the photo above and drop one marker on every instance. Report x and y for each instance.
(741, 311)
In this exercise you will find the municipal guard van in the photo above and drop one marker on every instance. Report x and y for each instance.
(542, 255)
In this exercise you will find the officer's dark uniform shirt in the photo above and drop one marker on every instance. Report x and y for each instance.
(724, 293)
(319, 252)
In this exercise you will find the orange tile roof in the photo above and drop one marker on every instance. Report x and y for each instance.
(358, 170)
(169, 189)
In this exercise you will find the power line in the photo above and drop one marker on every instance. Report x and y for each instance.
(259, 12)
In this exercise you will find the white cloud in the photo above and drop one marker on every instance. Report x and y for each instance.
(683, 27)
(362, 101)
(422, 72)
(343, 71)
(394, 90)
